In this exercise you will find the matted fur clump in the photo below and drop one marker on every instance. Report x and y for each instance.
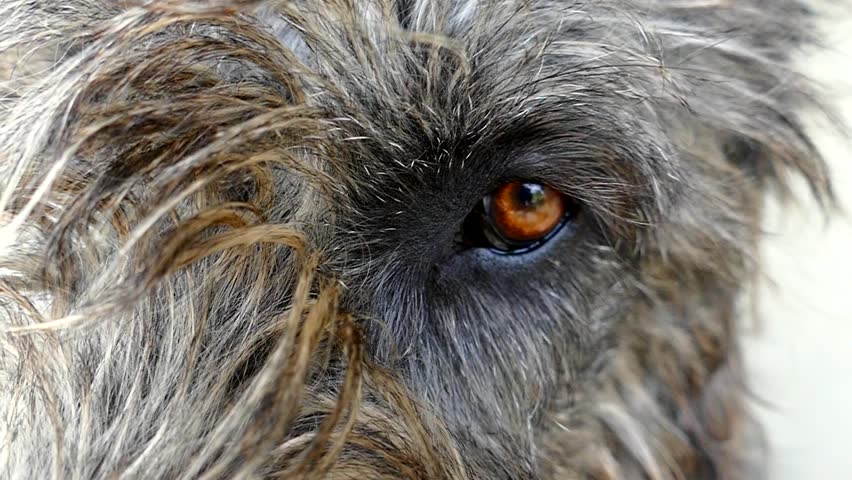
(230, 235)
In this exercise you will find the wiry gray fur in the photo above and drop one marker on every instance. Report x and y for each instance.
(230, 231)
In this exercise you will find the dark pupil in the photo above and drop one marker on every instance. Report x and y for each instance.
(530, 195)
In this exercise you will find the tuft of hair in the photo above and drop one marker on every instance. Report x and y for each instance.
(181, 201)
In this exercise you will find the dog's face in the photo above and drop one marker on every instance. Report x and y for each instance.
(394, 239)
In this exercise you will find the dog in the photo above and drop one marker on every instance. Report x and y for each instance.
(389, 238)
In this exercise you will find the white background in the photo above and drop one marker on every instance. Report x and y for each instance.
(800, 347)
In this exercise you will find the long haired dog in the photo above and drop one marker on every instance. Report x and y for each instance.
(388, 239)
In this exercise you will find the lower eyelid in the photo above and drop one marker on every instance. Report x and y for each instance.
(565, 223)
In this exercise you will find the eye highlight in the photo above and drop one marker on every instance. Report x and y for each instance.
(517, 217)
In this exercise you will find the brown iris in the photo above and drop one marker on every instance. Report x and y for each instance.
(517, 217)
(525, 212)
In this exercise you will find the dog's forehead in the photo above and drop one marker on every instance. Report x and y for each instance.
(423, 124)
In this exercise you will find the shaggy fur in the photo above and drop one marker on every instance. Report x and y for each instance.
(229, 235)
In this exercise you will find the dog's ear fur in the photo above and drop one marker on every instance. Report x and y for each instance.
(752, 92)
(165, 313)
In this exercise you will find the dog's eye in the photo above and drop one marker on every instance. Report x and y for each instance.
(517, 217)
